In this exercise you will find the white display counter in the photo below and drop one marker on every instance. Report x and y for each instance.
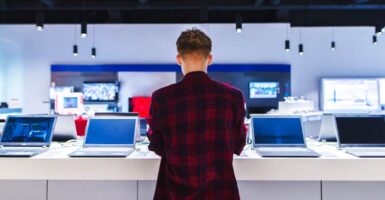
(55, 176)
(143, 165)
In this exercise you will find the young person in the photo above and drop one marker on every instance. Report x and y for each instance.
(196, 126)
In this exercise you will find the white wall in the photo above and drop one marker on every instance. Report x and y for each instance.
(149, 82)
(2, 64)
(355, 56)
(259, 43)
(12, 68)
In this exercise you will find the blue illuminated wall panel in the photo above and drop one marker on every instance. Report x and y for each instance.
(168, 68)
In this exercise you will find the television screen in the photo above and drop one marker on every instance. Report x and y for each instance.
(100, 91)
(70, 102)
(264, 89)
(349, 95)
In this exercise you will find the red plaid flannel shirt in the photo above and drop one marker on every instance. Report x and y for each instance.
(196, 126)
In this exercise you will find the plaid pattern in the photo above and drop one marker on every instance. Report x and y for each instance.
(195, 126)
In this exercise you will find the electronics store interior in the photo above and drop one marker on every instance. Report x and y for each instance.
(78, 75)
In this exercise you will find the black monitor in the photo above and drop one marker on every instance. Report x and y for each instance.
(361, 130)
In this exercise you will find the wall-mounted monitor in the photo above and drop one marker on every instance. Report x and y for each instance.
(340, 95)
(100, 91)
(259, 90)
(69, 103)
(53, 91)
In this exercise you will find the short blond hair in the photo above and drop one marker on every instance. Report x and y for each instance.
(194, 41)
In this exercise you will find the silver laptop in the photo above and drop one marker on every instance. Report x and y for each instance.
(328, 130)
(123, 114)
(361, 135)
(279, 136)
(26, 136)
(65, 128)
(109, 137)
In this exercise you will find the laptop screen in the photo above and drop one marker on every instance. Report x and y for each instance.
(277, 131)
(361, 130)
(111, 131)
(28, 130)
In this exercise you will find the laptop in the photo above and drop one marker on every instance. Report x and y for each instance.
(361, 135)
(65, 128)
(109, 137)
(126, 114)
(279, 136)
(328, 130)
(26, 136)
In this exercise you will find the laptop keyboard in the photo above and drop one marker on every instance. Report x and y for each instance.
(280, 149)
(6, 150)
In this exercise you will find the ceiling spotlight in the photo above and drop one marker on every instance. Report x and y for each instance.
(287, 41)
(300, 46)
(39, 21)
(238, 24)
(383, 29)
(75, 46)
(287, 45)
(374, 39)
(333, 45)
(83, 30)
(93, 52)
(300, 49)
(75, 50)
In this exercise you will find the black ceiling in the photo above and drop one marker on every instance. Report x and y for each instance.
(297, 12)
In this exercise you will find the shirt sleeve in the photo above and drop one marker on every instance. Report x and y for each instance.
(155, 131)
(240, 130)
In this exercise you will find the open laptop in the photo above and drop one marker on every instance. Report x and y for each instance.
(328, 130)
(65, 128)
(126, 114)
(279, 136)
(26, 136)
(109, 137)
(361, 135)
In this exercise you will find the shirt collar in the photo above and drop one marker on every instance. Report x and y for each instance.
(196, 75)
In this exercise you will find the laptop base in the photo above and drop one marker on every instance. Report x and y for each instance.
(101, 153)
(20, 153)
(289, 154)
(14, 155)
(367, 154)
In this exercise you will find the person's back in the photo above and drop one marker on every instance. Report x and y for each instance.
(195, 126)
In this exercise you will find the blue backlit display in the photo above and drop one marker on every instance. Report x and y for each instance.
(28, 129)
(111, 131)
(277, 131)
